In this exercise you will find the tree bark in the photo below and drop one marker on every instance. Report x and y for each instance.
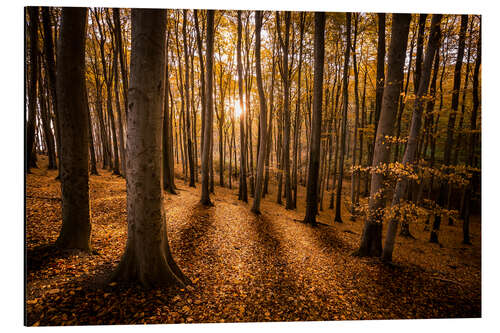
(243, 192)
(207, 141)
(314, 151)
(147, 259)
(371, 239)
(345, 84)
(32, 90)
(76, 227)
(262, 117)
(416, 121)
(186, 92)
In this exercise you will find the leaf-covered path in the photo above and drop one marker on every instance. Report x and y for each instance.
(243, 267)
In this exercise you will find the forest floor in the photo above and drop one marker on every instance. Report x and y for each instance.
(244, 268)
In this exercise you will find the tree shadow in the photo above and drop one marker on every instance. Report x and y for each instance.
(193, 233)
(275, 284)
(43, 255)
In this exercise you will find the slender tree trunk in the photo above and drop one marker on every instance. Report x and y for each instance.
(76, 227)
(167, 153)
(93, 163)
(207, 141)
(371, 239)
(45, 120)
(186, 93)
(314, 151)
(121, 135)
(354, 174)
(285, 74)
(473, 141)
(243, 193)
(262, 117)
(48, 47)
(32, 91)
(296, 127)
(345, 83)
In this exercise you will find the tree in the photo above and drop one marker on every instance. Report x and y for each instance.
(371, 239)
(243, 193)
(411, 146)
(50, 73)
(345, 85)
(186, 92)
(263, 117)
(209, 109)
(147, 259)
(285, 75)
(314, 151)
(72, 108)
(473, 142)
(167, 145)
(32, 91)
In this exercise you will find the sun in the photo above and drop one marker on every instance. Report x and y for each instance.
(237, 109)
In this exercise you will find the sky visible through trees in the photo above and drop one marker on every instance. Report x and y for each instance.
(222, 165)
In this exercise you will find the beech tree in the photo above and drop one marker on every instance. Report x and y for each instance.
(371, 239)
(33, 81)
(263, 117)
(207, 140)
(72, 109)
(314, 154)
(345, 85)
(147, 259)
(411, 146)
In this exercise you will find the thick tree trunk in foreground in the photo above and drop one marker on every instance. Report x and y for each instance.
(147, 259)
(209, 110)
(371, 239)
(32, 91)
(75, 229)
(345, 85)
(262, 120)
(416, 121)
(314, 151)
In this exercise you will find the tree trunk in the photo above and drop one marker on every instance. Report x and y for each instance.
(186, 93)
(167, 153)
(314, 151)
(354, 174)
(32, 91)
(338, 217)
(147, 259)
(285, 74)
(48, 47)
(75, 229)
(371, 239)
(473, 141)
(416, 121)
(207, 141)
(262, 118)
(243, 193)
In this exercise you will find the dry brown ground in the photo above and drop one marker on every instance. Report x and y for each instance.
(244, 268)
